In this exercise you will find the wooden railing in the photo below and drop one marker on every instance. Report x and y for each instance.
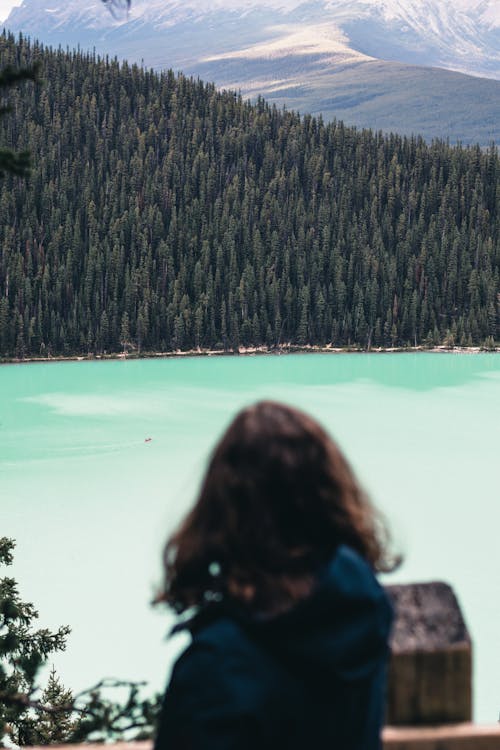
(451, 737)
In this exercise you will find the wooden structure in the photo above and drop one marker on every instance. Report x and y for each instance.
(452, 737)
(430, 671)
(449, 737)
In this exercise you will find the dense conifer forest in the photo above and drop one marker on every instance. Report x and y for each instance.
(164, 215)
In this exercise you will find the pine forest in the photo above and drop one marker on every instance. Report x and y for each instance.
(163, 215)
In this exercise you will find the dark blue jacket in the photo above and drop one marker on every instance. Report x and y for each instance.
(311, 678)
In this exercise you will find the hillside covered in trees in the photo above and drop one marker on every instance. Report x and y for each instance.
(164, 215)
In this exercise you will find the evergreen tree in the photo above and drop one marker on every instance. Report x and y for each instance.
(58, 724)
(23, 650)
(57, 715)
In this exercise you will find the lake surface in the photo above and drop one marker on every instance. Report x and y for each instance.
(90, 503)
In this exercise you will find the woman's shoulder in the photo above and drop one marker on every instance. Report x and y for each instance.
(347, 613)
(225, 670)
(217, 637)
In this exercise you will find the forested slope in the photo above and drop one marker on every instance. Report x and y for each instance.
(164, 215)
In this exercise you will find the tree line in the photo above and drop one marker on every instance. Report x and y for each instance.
(164, 215)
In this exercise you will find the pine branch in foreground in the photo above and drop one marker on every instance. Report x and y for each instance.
(57, 715)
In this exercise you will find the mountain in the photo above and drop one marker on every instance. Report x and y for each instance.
(403, 65)
(462, 35)
(162, 214)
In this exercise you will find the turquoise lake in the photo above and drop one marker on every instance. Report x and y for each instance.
(90, 502)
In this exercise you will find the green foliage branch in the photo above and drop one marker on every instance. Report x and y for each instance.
(23, 650)
(12, 162)
(29, 716)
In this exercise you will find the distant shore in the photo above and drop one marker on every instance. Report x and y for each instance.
(250, 351)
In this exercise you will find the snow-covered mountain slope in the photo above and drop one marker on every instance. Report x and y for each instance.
(351, 59)
(459, 35)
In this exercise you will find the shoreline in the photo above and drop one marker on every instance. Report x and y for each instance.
(249, 351)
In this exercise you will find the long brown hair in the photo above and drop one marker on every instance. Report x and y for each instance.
(277, 499)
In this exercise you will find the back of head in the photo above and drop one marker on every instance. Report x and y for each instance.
(277, 500)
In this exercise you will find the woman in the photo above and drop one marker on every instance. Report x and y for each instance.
(289, 626)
